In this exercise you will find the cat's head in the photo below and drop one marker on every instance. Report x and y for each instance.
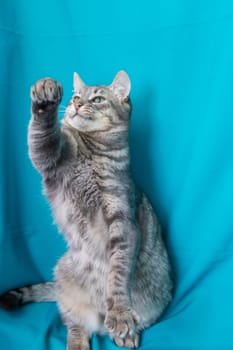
(99, 108)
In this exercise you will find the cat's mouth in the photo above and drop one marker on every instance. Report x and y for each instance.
(82, 116)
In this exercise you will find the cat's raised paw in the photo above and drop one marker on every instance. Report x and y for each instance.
(46, 94)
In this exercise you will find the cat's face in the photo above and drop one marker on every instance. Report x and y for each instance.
(99, 108)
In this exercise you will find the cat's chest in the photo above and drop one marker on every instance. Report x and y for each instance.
(80, 185)
(90, 250)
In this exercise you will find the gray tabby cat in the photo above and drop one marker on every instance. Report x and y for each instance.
(115, 277)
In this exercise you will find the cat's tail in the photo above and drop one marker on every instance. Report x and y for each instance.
(42, 292)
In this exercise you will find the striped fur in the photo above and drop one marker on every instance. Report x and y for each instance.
(115, 277)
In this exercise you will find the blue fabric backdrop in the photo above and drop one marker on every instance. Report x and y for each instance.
(179, 55)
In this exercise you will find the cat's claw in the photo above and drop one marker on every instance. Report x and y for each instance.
(46, 94)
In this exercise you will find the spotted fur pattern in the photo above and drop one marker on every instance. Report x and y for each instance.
(115, 277)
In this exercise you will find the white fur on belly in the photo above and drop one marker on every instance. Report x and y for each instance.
(75, 303)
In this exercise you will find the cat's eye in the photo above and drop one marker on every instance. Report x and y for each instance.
(98, 99)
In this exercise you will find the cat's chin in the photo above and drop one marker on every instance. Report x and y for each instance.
(85, 125)
(79, 125)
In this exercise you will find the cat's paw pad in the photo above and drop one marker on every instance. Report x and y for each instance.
(121, 323)
(130, 342)
(46, 94)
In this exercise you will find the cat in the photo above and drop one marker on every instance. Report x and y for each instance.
(115, 277)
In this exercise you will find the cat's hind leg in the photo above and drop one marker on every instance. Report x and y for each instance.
(78, 338)
(78, 313)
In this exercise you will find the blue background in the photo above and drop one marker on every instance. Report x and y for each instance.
(179, 55)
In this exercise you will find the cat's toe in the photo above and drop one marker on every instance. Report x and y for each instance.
(53, 90)
(121, 323)
(130, 342)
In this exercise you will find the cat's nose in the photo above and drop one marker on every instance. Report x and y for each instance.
(77, 105)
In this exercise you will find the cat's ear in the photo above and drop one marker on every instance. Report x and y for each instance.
(121, 85)
(78, 84)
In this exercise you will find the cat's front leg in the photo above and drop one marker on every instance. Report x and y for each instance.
(45, 139)
(121, 320)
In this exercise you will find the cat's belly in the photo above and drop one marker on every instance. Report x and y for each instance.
(86, 270)
(81, 289)
(77, 307)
